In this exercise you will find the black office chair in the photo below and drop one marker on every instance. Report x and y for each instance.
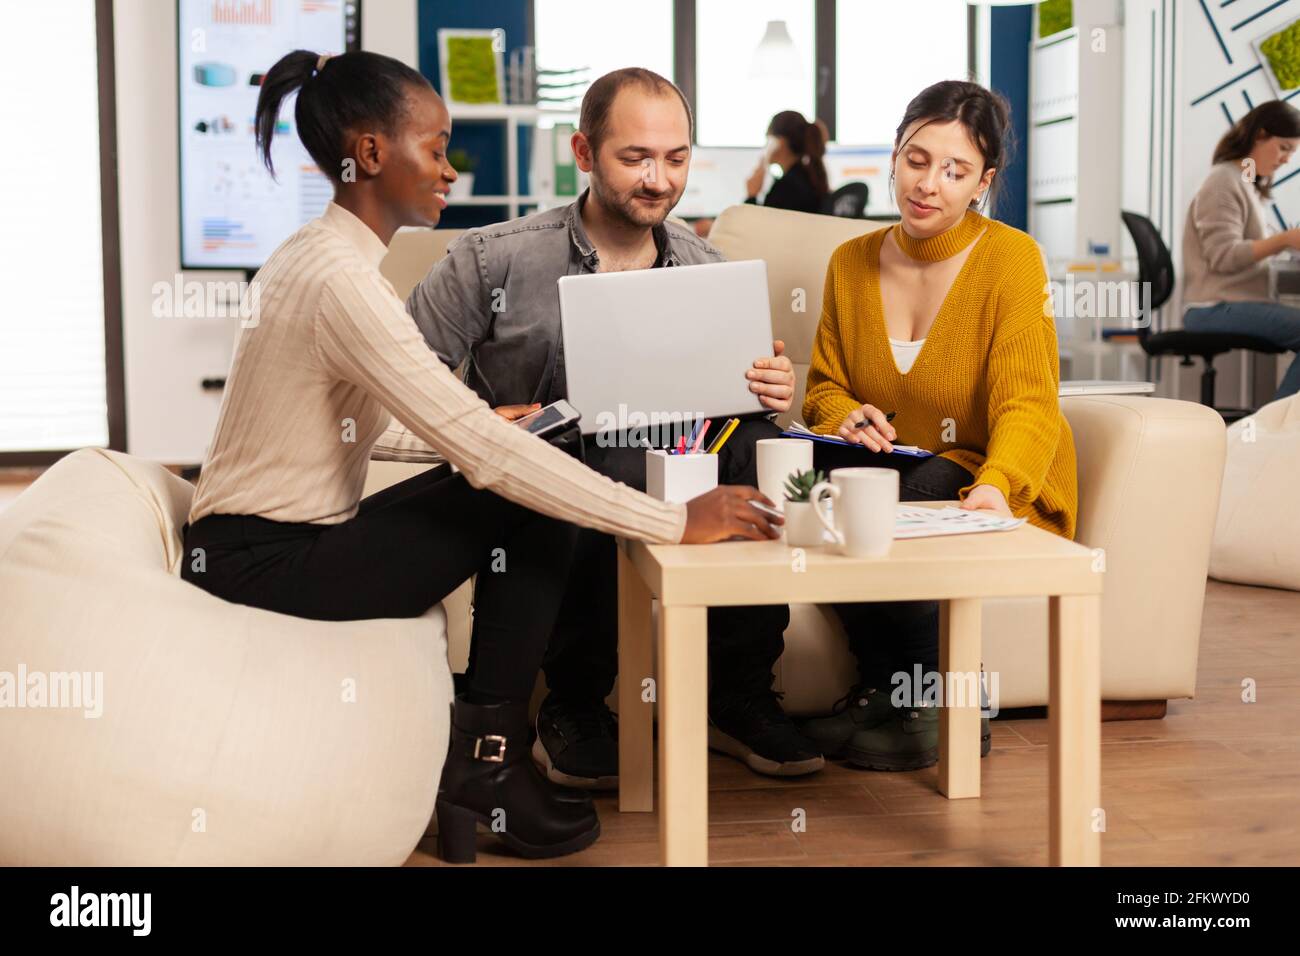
(849, 201)
(1157, 267)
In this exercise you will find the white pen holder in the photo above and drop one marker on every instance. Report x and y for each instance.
(679, 477)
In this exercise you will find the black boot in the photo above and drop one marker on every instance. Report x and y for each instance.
(489, 779)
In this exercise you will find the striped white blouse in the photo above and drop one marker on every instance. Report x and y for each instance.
(330, 353)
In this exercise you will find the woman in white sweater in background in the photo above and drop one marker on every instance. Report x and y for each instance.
(1227, 239)
(332, 356)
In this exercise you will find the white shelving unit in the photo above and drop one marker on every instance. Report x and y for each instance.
(513, 116)
(1075, 99)
(1075, 172)
(1053, 144)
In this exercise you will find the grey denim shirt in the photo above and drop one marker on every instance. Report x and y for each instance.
(493, 299)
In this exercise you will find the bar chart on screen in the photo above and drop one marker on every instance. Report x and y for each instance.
(241, 11)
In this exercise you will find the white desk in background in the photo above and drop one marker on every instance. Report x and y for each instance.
(1101, 387)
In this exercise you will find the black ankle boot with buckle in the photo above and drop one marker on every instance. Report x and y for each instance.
(489, 779)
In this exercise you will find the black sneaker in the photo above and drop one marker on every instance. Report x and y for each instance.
(757, 732)
(577, 744)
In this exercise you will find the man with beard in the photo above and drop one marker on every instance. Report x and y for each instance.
(493, 300)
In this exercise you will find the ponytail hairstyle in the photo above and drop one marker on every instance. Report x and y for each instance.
(985, 115)
(336, 94)
(808, 143)
(1270, 118)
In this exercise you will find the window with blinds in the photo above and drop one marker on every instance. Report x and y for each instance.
(53, 381)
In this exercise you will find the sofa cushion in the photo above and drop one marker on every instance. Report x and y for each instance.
(1255, 539)
(797, 247)
(412, 253)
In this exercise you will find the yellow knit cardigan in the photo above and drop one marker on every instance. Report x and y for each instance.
(983, 389)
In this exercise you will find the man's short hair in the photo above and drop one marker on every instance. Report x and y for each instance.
(593, 121)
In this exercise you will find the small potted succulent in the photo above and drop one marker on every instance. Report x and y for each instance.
(802, 529)
(464, 164)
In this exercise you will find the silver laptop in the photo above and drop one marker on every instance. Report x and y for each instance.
(656, 346)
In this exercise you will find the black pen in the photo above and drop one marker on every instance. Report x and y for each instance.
(867, 421)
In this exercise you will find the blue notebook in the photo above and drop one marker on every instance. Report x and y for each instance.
(799, 431)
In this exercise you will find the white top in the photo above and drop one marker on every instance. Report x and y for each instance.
(905, 353)
(331, 359)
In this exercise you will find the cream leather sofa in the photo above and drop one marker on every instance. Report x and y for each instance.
(1149, 477)
(224, 734)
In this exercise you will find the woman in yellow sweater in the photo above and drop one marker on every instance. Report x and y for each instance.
(945, 320)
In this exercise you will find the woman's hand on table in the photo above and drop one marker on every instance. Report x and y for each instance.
(987, 498)
(726, 512)
(878, 436)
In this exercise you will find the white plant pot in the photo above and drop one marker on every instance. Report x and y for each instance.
(802, 529)
(463, 187)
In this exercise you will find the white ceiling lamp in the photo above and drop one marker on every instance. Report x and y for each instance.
(775, 56)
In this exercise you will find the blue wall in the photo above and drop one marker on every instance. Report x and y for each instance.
(1010, 31)
(483, 140)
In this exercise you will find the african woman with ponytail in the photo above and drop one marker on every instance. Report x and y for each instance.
(332, 363)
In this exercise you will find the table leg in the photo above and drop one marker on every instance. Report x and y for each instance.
(1074, 729)
(635, 716)
(683, 736)
(959, 726)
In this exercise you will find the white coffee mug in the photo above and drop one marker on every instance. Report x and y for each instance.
(778, 459)
(865, 503)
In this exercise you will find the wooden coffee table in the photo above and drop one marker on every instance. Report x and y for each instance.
(958, 571)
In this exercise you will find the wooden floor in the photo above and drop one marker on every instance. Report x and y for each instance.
(1216, 782)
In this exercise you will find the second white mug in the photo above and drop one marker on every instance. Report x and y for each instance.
(865, 503)
(778, 459)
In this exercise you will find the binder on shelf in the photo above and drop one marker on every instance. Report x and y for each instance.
(566, 170)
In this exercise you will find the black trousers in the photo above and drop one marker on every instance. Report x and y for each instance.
(407, 548)
(891, 636)
(744, 642)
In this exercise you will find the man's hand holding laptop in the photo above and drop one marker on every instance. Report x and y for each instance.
(772, 379)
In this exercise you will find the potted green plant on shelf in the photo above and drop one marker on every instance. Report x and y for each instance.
(464, 164)
(802, 529)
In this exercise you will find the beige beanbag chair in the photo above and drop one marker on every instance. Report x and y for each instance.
(155, 724)
(1257, 534)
